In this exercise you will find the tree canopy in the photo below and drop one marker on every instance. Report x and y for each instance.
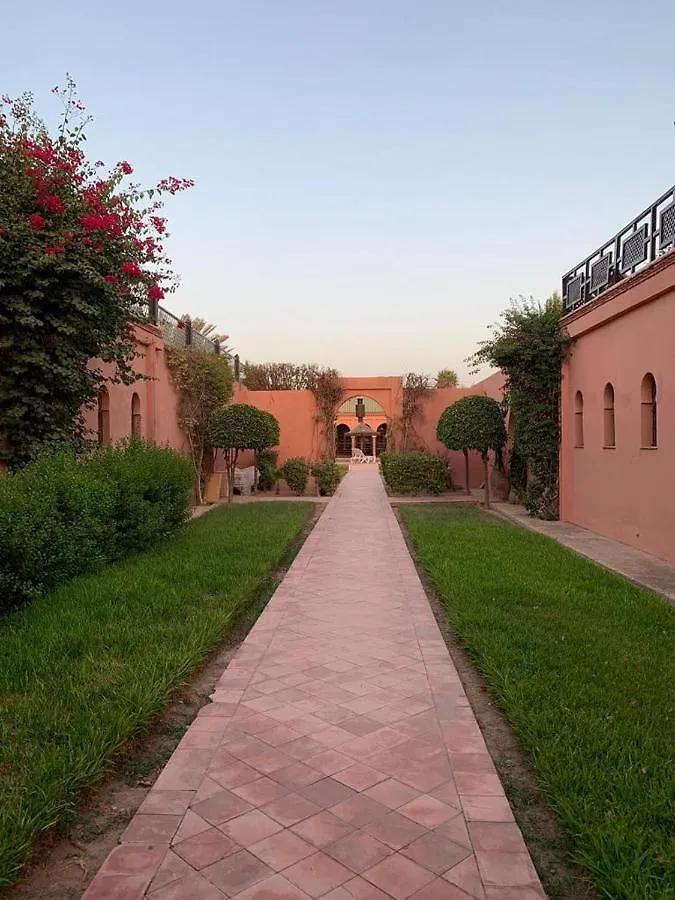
(473, 423)
(447, 378)
(238, 427)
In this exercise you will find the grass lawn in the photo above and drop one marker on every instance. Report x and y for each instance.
(85, 668)
(583, 663)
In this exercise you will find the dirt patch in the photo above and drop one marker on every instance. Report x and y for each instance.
(66, 858)
(546, 840)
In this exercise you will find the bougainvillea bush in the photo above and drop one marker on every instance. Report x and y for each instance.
(81, 254)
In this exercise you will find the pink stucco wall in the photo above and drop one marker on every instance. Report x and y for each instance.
(301, 434)
(157, 396)
(626, 492)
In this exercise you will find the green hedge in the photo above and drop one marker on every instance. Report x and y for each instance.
(295, 472)
(416, 472)
(328, 476)
(60, 517)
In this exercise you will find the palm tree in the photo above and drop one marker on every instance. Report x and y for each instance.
(207, 330)
(447, 378)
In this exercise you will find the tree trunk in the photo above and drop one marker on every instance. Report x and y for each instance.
(231, 457)
(466, 471)
(487, 481)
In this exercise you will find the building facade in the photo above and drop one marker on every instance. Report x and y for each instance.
(618, 388)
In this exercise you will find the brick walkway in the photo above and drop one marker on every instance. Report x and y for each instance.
(339, 757)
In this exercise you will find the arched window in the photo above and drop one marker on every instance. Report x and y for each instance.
(579, 419)
(103, 417)
(135, 415)
(609, 425)
(381, 439)
(648, 411)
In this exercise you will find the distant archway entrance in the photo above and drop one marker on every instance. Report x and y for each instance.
(381, 442)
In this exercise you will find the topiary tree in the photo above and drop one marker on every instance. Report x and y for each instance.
(473, 423)
(241, 427)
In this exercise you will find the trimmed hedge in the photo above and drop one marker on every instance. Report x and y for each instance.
(60, 517)
(415, 472)
(328, 476)
(295, 472)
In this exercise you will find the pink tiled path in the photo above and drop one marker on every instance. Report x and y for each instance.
(339, 756)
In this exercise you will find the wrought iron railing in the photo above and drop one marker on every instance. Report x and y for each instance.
(643, 240)
(176, 332)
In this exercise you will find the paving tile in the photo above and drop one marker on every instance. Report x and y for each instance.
(250, 828)
(205, 848)
(505, 869)
(359, 777)
(392, 793)
(318, 874)
(290, 809)
(399, 877)
(298, 775)
(327, 792)
(500, 836)
(394, 830)
(116, 887)
(427, 811)
(167, 803)
(322, 829)
(262, 790)
(221, 807)
(358, 810)
(360, 889)
(151, 829)
(465, 875)
(282, 850)
(171, 869)
(359, 851)
(237, 872)
(435, 852)
(441, 890)
(487, 809)
(275, 888)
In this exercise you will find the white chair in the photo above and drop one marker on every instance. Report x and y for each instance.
(358, 456)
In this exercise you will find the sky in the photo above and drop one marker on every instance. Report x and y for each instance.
(374, 179)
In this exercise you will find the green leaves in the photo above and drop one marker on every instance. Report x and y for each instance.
(243, 427)
(472, 423)
(529, 346)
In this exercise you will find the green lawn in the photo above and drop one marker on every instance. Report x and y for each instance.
(583, 663)
(85, 668)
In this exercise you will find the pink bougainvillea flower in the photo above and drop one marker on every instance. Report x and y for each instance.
(132, 268)
(111, 278)
(126, 167)
(54, 250)
(53, 203)
(36, 221)
(180, 324)
(155, 292)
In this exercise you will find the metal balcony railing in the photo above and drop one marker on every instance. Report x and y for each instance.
(646, 238)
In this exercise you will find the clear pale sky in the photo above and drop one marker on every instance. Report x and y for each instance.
(374, 178)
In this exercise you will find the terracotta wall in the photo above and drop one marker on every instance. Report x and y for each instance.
(626, 492)
(158, 400)
(301, 434)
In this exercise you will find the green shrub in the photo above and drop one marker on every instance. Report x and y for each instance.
(328, 476)
(295, 472)
(416, 472)
(267, 470)
(60, 518)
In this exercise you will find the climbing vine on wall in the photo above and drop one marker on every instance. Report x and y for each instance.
(326, 385)
(529, 346)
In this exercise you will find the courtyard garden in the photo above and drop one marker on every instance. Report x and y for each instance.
(86, 667)
(581, 662)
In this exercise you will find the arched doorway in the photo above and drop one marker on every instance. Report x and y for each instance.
(343, 443)
(381, 442)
